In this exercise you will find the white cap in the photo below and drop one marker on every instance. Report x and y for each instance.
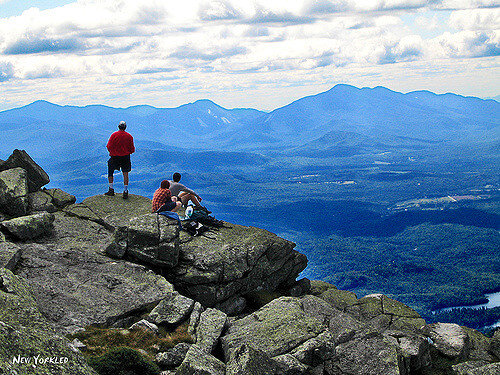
(122, 123)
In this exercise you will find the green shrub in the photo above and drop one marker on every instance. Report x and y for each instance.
(123, 361)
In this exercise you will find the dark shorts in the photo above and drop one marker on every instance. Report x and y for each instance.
(167, 206)
(115, 163)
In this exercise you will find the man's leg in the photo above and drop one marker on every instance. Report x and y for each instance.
(125, 185)
(178, 205)
(125, 180)
(111, 169)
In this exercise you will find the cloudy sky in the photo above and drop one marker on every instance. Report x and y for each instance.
(242, 53)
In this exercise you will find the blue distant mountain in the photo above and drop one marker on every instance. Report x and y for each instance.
(342, 118)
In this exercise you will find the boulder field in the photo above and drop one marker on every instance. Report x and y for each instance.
(110, 263)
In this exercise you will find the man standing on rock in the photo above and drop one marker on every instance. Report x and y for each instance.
(120, 146)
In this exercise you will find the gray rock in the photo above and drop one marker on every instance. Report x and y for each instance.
(198, 362)
(465, 367)
(60, 198)
(232, 306)
(216, 270)
(479, 346)
(2, 236)
(25, 332)
(144, 324)
(449, 339)
(234, 262)
(13, 192)
(414, 349)
(289, 365)
(317, 350)
(10, 254)
(173, 357)
(194, 319)
(374, 354)
(489, 369)
(29, 227)
(246, 360)
(340, 299)
(210, 327)
(40, 201)
(150, 238)
(275, 329)
(118, 247)
(37, 177)
(173, 309)
(76, 286)
(382, 313)
(76, 345)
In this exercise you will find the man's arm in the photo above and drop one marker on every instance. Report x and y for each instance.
(188, 190)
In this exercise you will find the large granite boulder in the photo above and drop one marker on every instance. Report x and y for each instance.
(36, 176)
(209, 329)
(449, 339)
(198, 362)
(13, 192)
(247, 360)
(275, 329)
(151, 239)
(26, 336)
(372, 354)
(173, 309)
(60, 198)
(30, 226)
(234, 261)
(75, 285)
(40, 201)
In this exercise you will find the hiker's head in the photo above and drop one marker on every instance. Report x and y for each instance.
(122, 125)
(176, 177)
(165, 184)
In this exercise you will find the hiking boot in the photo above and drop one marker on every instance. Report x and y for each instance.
(125, 195)
(111, 192)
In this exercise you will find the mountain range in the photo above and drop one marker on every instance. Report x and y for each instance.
(343, 118)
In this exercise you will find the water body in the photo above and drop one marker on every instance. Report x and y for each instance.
(493, 301)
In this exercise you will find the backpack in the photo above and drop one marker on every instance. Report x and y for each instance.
(194, 228)
(202, 217)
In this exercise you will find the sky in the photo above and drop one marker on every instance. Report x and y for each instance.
(241, 53)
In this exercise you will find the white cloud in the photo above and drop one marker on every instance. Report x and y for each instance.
(475, 19)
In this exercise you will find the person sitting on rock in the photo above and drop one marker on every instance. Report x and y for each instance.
(163, 200)
(120, 146)
(185, 194)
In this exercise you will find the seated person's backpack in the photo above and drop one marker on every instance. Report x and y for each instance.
(194, 228)
(202, 217)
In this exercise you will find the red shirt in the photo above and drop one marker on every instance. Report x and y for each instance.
(160, 197)
(120, 143)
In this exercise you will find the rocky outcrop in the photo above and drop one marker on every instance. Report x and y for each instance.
(217, 269)
(111, 263)
(75, 285)
(36, 176)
